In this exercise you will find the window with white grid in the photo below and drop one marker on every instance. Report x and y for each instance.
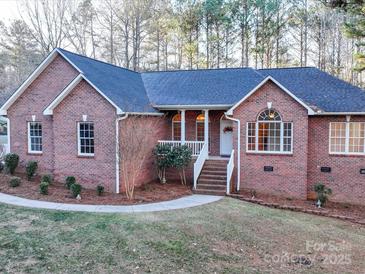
(269, 134)
(347, 138)
(34, 137)
(86, 138)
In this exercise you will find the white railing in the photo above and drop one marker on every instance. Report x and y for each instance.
(195, 146)
(199, 163)
(230, 167)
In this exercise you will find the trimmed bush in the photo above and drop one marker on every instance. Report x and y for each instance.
(99, 190)
(1, 166)
(31, 169)
(43, 188)
(14, 181)
(11, 162)
(75, 190)
(47, 178)
(70, 180)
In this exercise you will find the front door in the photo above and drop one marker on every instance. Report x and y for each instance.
(226, 137)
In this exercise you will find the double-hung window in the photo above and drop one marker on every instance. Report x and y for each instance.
(347, 138)
(34, 137)
(269, 134)
(85, 138)
(176, 127)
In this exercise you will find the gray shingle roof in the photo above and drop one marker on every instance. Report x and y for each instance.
(122, 86)
(138, 92)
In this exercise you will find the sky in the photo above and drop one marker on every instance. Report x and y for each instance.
(8, 10)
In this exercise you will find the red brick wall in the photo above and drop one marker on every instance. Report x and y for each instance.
(289, 177)
(345, 180)
(151, 129)
(89, 171)
(32, 102)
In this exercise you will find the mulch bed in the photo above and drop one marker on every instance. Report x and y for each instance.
(151, 192)
(349, 212)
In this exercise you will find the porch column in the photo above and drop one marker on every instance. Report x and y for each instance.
(206, 127)
(182, 127)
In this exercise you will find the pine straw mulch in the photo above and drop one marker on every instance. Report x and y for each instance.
(148, 193)
(344, 211)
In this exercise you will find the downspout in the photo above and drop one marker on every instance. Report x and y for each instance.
(238, 149)
(117, 185)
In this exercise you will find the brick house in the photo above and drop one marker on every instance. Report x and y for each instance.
(275, 131)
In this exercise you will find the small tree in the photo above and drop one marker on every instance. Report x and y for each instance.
(163, 159)
(181, 159)
(322, 193)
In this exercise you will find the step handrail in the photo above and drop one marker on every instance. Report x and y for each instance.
(199, 163)
(230, 167)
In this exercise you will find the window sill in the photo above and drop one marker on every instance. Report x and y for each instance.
(347, 154)
(86, 156)
(34, 153)
(270, 153)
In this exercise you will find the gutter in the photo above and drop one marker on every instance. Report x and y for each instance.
(238, 149)
(117, 179)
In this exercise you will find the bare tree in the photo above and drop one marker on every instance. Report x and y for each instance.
(138, 137)
(46, 19)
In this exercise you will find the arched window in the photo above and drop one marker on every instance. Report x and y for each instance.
(200, 127)
(176, 127)
(269, 133)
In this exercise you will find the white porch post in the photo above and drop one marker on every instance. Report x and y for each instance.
(183, 126)
(206, 127)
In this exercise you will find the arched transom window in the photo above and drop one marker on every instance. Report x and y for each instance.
(176, 127)
(269, 133)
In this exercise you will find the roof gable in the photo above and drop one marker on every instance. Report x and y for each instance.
(269, 78)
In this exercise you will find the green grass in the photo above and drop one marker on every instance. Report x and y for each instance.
(229, 236)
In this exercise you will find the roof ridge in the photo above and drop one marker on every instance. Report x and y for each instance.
(199, 69)
(295, 67)
(100, 61)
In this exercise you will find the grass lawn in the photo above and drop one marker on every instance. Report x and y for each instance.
(229, 236)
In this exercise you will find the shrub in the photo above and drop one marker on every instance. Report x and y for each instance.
(11, 162)
(99, 190)
(47, 178)
(181, 158)
(70, 180)
(164, 159)
(322, 193)
(31, 169)
(1, 166)
(75, 190)
(43, 188)
(14, 181)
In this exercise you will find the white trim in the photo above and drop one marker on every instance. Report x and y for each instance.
(8, 126)
(193, 107)
(145, 113)
(310, 111)
(339, 113)
(68, 60)
(182, 127)
(30, 151)
(69, 88)
(79, 153)
(117, 158)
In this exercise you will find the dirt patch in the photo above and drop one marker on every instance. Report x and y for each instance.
(148, 193)
(356, 212)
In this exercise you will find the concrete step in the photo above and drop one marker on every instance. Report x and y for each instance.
(211, 187)
(211, 181)
(213, 176)
(210, 192)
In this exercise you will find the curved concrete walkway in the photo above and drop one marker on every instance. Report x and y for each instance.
(184, 202)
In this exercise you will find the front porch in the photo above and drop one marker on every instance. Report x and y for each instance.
(209, 135)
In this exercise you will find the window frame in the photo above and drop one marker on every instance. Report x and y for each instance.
(282, 136)
(30, 151)
(347, 140)
(79, 153)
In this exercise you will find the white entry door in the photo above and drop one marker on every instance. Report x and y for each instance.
(226, 138)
